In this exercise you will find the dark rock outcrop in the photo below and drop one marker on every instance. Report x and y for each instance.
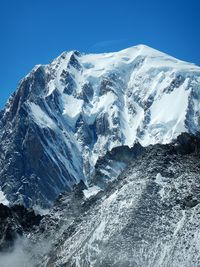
(15, 222)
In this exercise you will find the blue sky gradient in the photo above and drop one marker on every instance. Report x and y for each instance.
(36, 31)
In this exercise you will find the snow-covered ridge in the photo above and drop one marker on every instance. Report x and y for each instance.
(82, 105)
(129, 87)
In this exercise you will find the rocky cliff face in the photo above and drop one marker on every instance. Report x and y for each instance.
(65, 116)
(147, 216)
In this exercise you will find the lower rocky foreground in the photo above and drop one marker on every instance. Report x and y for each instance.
(149, 216)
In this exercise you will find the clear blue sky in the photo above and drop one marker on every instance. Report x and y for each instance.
(36, 31)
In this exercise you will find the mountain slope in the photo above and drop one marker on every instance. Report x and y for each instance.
(148, 216)
(66, 115)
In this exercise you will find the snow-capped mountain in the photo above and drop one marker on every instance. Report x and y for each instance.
(67, 115)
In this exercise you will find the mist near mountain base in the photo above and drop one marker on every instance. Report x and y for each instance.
(24, 254)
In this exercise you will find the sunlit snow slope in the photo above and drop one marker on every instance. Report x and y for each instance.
(67, 114)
